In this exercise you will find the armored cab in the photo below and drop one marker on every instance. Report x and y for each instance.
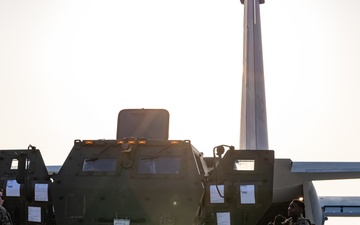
(141, 178)
(130, 181)
(26, 184)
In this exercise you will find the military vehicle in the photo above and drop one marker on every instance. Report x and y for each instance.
(26, 183)
(139, 178)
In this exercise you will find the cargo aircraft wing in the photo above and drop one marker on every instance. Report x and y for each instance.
(340, 206)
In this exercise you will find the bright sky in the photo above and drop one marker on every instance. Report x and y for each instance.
(68, 67)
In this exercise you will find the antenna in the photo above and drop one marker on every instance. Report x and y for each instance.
(253, 122)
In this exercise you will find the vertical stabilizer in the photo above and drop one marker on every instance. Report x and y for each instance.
(253, 127)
